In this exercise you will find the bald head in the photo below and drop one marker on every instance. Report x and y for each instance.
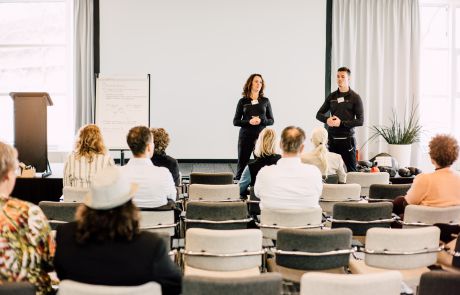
(292, 140)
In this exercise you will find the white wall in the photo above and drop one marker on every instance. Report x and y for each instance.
(199, 54)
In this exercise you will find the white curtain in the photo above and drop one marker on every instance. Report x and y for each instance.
(84, 62)
(379, 41)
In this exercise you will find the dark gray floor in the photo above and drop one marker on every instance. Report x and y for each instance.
(187, 168)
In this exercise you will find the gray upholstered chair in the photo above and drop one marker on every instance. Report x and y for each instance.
(211, 178)
(417, 215)
(58, 212)
(222, 253)
(216, 215)
(408, 250)
(367, 179)
(439, 283)
(335, 193)
(359, 217)
(272, 220)
(68, 287)
(385, 283)
(17, 288)
(299, 251)
(213, 192)
(387, 192)
(266, 283)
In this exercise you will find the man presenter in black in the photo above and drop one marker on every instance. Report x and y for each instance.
(342, 111)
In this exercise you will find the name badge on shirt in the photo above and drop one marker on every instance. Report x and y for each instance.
(340, 99)
(254, 101)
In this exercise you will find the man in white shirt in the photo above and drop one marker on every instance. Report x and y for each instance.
(156, 185)
(290, 184)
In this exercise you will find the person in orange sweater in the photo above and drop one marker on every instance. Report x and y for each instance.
(440, 188)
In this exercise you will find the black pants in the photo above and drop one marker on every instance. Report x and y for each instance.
(346, 147)
(246, 144)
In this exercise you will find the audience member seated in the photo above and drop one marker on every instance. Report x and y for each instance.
(26, 246)
(160, 158)
(156, 185)
(89, 157)
(265, 153)
(328, 163)
(289, 184)
(440, 188)
(104, 246)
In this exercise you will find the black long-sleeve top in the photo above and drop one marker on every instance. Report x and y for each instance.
(163, 160)
(115, 263)
(243, 115)
(350, 112)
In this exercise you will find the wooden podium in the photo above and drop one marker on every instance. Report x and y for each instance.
(30, 129)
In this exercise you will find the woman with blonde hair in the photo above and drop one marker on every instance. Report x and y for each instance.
(89, 157)
(27, 245)
(327, 162)
(265, 155)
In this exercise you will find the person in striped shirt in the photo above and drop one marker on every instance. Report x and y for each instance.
(89, 157)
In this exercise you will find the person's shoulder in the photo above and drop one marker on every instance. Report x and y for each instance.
(152, 241)
(162, 171)
(68, 228)
(170, 159)
(334, 156)
(307, 156)
(266, 170)
(311, 169)
(243, 100)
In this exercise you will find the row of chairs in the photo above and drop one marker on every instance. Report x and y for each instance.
(239, 253)
(431, 283)
(359, 217)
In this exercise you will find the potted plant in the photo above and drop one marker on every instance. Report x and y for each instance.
(400, 136)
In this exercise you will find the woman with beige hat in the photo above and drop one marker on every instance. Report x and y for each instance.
(104, 246)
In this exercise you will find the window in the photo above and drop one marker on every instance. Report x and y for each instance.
(440, 68)
(36, 55)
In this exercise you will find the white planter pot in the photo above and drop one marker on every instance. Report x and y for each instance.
(401, 152)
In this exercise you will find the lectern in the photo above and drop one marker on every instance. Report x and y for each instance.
(30, 129)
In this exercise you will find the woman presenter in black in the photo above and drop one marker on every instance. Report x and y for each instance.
(253, 113)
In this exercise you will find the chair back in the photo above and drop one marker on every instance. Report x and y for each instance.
(359, 217)
(68, 287)
(387, 191)
(211, 178)
(314, 249)
(217, 215)
(331, 179)
(272, 220)
(417, 215)
(367, 179)
(214, 192)
(17, 288)
(402, 248)
(158, 221)
(382, 283)
(334, 193)
(439, 283)
(58, 212)
(266, 283)
(74, 194)
(223, 250)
